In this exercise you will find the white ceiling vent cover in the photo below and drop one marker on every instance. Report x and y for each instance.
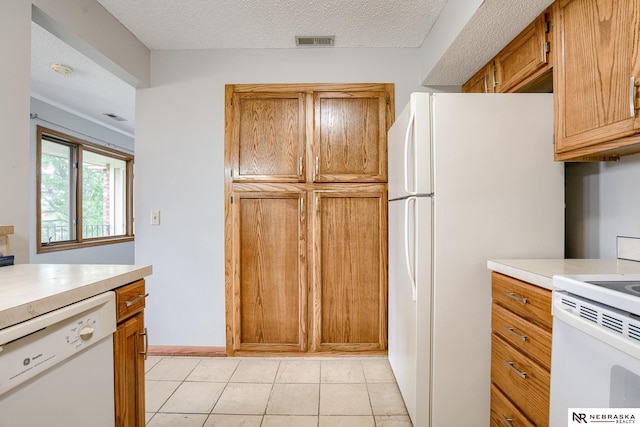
(315, 41)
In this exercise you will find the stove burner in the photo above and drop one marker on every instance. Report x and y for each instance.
(634, 288)
(627, 287)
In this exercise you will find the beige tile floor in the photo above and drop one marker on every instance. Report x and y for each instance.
(272, 392)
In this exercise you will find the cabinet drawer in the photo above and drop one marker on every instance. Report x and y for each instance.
(525, 336)
(504, 413)
(130, 299)
(521, 379)
(524, 299)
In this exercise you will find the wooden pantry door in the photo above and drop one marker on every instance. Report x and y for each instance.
(269, 287)
(350, 269)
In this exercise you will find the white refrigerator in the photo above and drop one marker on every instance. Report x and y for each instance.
(471, 178)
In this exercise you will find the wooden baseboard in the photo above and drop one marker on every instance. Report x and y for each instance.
(170, 350)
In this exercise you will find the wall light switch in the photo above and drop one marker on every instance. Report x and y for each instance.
(155, 217)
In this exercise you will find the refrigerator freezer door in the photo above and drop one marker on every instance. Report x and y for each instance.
(409, 306)
(409, 146)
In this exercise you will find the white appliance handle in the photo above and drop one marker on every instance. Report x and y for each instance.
(410, 126)
(407, 258)
(598, 333)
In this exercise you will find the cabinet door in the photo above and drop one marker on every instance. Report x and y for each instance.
(128, 347)
(596, 60)
(350, 136)
(482, 81)
(268, 138)
(524, 58)
(269, 251)
(350, 270)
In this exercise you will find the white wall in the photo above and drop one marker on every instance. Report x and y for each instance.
(88, 21)
(179, 167)
(57, 119)
(603, 201)
(15, 45)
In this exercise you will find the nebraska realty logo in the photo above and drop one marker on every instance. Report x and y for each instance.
(579, 416)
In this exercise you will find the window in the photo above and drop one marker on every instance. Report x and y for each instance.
(81, 206)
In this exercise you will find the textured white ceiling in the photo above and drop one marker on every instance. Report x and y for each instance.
(209, 24)
(213, 24)
(493, 26)
(89, 91)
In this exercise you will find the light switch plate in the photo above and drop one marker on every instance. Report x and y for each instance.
(155, 217)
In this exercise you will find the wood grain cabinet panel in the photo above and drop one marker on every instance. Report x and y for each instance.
(504, 413)
(482, 81)
(129, 349)
(350, 136)
(520, 352)
(522, 380)
(526, 300)
(350, 270)
(271, 282)
(269, 137)
(524, 58)
(523, 65)
(305, 217)
(597, 68)
(523, 335)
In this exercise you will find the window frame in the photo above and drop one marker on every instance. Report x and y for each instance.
(80, 145)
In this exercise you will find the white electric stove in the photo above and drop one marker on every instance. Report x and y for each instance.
(595, 359)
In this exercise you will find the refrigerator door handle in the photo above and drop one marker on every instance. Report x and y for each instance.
(407, 257)
(410, 127)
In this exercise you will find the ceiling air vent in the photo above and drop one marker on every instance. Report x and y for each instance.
(115, 117)
(315, 41)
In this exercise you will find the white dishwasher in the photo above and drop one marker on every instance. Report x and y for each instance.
(57, 369)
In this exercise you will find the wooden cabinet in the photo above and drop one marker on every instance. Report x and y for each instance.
(268, 136)
(270, 291)
(305, 217)
(350, 265)
(597, 71)
(524, 65)
(482, 81)
(526, 58)
(350, 136)
(520, 353)
(275, 131)
(129, 347)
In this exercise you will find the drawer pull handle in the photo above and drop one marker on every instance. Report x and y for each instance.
(133, 301)
(514, 333)
(507, 421)
(146, 343)
(515, 297)
(522, 375)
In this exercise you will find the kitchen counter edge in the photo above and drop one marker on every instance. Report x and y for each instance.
(30, 290)
(540, 272)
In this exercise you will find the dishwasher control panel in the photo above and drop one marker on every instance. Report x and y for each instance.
(31, 347)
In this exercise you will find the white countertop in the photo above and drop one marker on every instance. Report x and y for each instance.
(541, 271)
(29, 290)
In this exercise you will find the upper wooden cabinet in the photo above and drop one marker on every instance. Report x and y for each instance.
(482, 81)
(597, 70)
(521, 66)
(269, 136)
(525, 58)
(304, 133)
(350, 134)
